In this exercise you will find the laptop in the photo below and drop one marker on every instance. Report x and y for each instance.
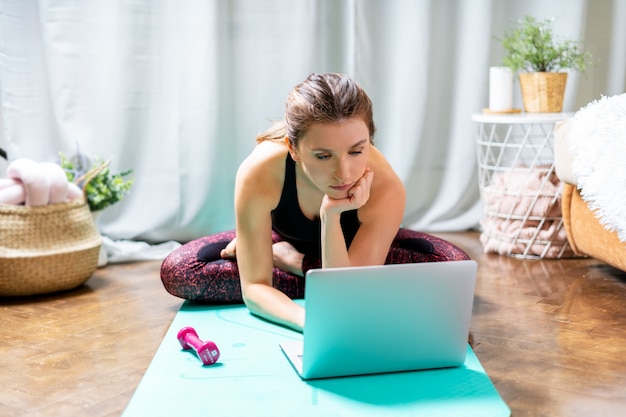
(384, 318)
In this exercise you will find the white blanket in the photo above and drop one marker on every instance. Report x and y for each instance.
(597, 140)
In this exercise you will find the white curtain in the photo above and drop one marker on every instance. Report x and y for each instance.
(177, 90)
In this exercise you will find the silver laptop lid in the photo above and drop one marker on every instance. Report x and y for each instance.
(362, 320)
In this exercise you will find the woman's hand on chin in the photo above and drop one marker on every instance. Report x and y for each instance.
(356, 197)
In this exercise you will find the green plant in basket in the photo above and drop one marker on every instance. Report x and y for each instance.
(533, 47)
(103, 188)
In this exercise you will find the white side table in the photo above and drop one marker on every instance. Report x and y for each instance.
(519, 189)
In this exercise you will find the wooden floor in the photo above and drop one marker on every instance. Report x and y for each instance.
(551, 335)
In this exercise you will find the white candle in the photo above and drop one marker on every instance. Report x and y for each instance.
(500, 89)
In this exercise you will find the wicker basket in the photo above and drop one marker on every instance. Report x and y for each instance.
(542, 92)
(47, 248)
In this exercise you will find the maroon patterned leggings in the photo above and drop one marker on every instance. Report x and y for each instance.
(195, 271)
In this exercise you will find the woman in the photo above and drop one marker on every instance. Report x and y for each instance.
(314, 192)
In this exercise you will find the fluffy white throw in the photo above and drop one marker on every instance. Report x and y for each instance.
(597, 141)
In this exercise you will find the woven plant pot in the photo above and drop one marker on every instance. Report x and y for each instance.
(46, 249)
(542, 92)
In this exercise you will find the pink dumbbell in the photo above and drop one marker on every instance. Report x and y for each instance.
(207, 351)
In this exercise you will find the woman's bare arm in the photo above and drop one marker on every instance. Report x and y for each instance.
(256, 194)
(380, 217)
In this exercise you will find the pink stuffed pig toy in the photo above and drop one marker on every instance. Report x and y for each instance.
(36, 184)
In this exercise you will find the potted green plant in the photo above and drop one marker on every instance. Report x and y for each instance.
(533, 50)
(102, 188)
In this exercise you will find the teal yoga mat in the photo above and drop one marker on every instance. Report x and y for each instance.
(253, 378)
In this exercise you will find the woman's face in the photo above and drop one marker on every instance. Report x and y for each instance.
(334, 155)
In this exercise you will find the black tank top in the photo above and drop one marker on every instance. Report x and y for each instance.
(289, 221)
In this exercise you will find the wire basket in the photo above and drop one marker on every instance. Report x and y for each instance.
(520, 191)
(46, 249)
